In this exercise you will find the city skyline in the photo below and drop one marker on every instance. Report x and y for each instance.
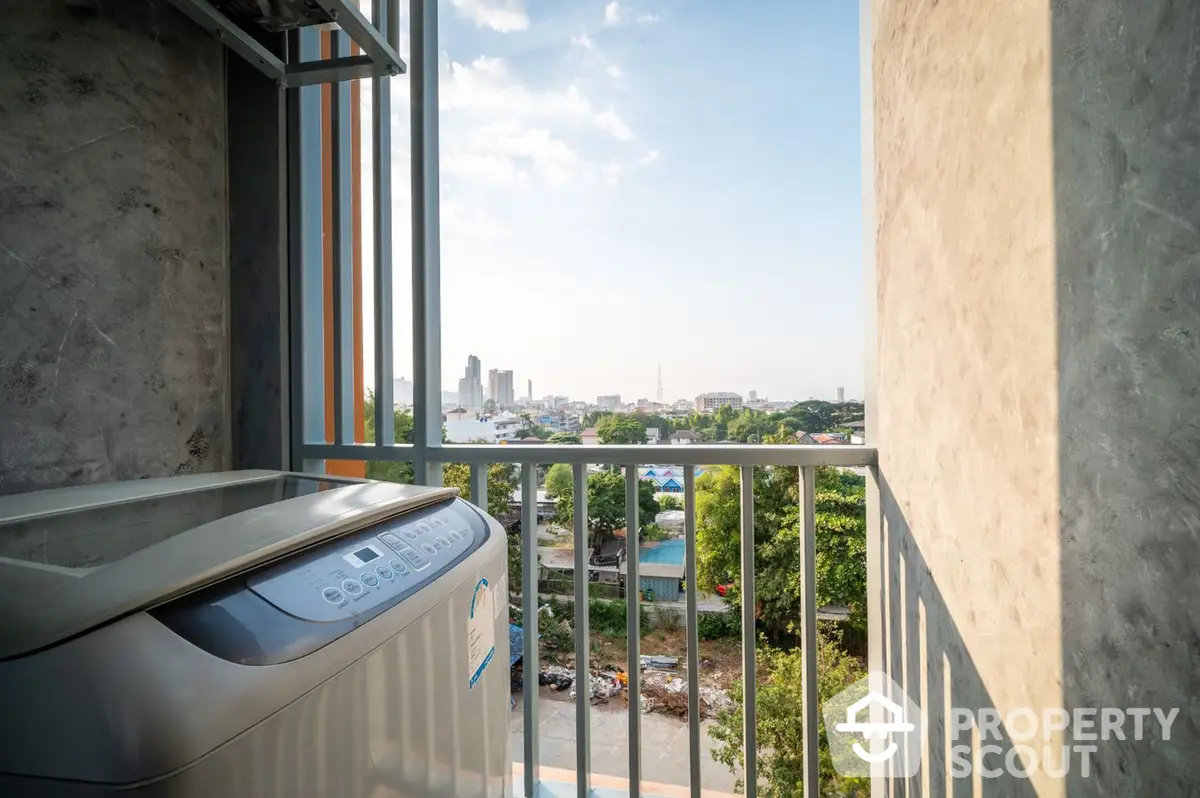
(602, 214)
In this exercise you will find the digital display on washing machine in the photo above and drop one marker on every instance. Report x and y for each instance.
(363, 556)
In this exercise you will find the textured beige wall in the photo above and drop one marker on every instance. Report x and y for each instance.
(966, 415)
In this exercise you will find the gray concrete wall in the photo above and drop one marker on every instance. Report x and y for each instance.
(113, 244)
(1037, 208)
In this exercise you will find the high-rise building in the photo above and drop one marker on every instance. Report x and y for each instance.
(402, 392)
(609, 402)
(753, 395)
(529, 395)
(841, 395)
(500, 388)
(470, 387)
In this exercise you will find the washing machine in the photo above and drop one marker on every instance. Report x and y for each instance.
(252, 634)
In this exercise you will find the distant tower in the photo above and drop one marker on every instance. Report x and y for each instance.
(754, 396)
(659, 395)
(530, 395)
(841, 395)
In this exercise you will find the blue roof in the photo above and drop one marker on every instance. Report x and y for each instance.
(665, 552)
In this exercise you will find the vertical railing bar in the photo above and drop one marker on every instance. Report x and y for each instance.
(343, 252)
(426, 257)
(750, 710)
(381, 185)
(583, 679)
(307, 289)
(479, 486)
(693, 635)
(633, 624)
(808, 630)
(529, 619)
(393, 25)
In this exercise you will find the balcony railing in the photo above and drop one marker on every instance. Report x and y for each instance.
(806, 458)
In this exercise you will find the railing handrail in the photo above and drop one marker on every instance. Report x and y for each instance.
(801, 455)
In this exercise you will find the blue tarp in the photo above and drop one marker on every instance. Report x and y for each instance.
(516, 643)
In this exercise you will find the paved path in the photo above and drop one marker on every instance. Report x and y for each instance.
(664, 745)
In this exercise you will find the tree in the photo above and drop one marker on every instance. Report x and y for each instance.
(403, 421)
(780, 713)
(669, 502)
(562, 438)
(621, 429)
(501, 482)
(560, 480)
(840, 514)
(606, 503)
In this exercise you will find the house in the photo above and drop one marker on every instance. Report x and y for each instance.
(653, 435)
(660, 568)
(590, 437)
(683, 437)
(804, 438)
(666, 479)
(546, 507)
(858, 432)
(829, 438)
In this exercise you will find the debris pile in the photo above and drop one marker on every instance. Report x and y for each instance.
(665, 692)
(556, 677)
(604, 685)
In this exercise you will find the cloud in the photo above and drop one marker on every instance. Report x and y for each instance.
(505, 16)
(608, 121)
(612, 13)
(584, 41)
(615, 71)
(487, 84)
(650, 157)
(648, 19)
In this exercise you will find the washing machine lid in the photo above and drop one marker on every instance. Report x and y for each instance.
(72, 559)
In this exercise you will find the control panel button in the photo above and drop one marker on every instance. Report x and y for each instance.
(442, 542)
(423, 527)
(392, 540)
(352, 587)
(370, 580)
(437, 521)
(384, 572)
(400, 568)
(333, 595)
(414, 557)
(409, 533)
(455, 535)
(429, 549)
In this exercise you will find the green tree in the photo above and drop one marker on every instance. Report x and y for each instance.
(840, 514)
(606, 504)
(562, 438)
(780, 713)
(669, 501)
(403, 421)
(621, 429)
(560, 480)
(501, 482)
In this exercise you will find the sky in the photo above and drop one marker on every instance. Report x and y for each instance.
(639, 184)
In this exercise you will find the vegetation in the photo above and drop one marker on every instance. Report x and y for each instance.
(669, 501)
(620, 429)
(559, 438)
(780, 705)
(605, 502)
(841, 541)
(560, 480)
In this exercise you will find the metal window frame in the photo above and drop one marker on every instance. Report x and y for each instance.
(378, 59)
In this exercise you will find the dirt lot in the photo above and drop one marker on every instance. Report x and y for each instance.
(720, 660)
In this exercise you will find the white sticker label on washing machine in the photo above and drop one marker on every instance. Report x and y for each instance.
(481, 631)
(500, 597)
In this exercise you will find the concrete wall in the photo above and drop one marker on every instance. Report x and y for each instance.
(1036, 216)
(113, 244)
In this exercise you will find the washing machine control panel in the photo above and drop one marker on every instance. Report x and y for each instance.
(354, 574)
